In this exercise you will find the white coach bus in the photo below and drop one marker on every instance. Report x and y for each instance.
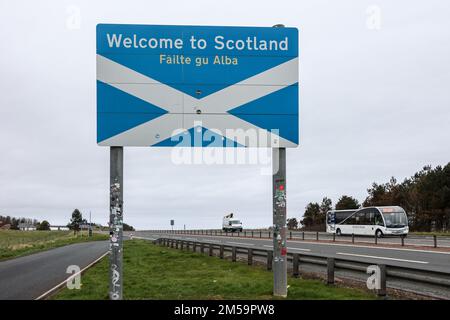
(374, 221)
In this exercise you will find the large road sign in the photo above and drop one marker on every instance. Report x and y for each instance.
(197, 86)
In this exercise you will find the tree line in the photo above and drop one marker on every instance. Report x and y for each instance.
(75, 223)
(13, 223)
(425, 196)
(77, 220)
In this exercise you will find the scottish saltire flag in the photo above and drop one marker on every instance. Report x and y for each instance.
(166, 86)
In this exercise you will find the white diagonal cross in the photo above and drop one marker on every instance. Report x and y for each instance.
(214, 106)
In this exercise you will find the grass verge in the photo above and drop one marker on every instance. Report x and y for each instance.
(155, 272)
(15, 243)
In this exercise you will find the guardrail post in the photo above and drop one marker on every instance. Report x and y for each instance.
(303, 235)
(317, 235)
(176, 244)
(269, 259)
(330, 271)
(210, 250)
(382, 291)
(238, 234)
(221, 251)
(202, 248)
(171, 243)
(233, 254)
(435, 241)
(295, 265)
(290, 235)
(353, 238)
(182, 244)
(194, 246)
(260, 234)
(187, 245)
(250, 256)
(403, 241)
(245, 234)
(334, 237)
(252, 233)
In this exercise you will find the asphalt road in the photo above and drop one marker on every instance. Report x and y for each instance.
(413, 240)
(422, 259)
(410, 240)
(30, 276)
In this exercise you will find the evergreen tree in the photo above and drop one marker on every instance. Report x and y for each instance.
(347, 202)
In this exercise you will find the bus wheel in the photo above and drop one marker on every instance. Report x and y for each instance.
(379, 233)
(338, 232)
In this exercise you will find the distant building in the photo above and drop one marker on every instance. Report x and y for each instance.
(59, 228)
(26, 227)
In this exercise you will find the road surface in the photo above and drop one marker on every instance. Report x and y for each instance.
(30, 276)
(405, 257)
(410, 240)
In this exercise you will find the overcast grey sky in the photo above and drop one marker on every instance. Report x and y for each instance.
(374, 103)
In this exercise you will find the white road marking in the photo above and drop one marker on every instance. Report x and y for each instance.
(289, 248)
(376, 257)
(246, 244)
(216, 241)
(370, 247)
(71, 277)
(379, 246)
(143, 238)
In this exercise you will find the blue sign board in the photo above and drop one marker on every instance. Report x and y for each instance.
(202, 86)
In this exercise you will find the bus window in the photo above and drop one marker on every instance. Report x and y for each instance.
(370, 216)
(395, 218)
(331, 217)
(378, 219)
(341, 216)
(361, 217)
(350, 220)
